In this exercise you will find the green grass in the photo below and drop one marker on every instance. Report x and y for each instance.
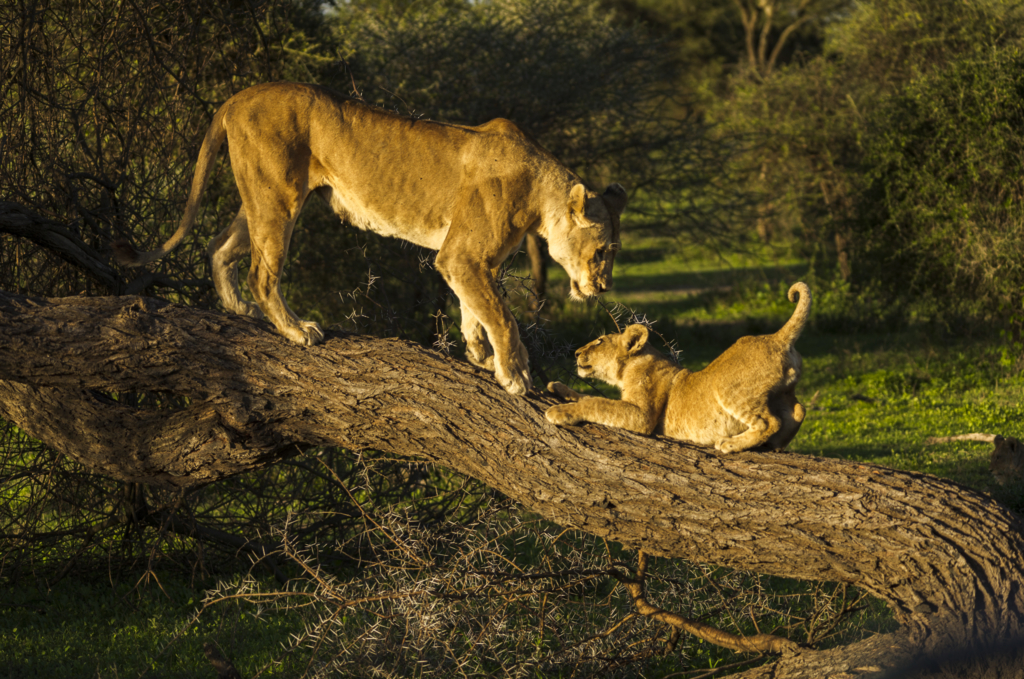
(91, 629)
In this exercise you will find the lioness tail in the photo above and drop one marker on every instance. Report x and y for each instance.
(125, 253)
(801, 294)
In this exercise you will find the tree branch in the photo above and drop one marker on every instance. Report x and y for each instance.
(24, 223)
(945, 558)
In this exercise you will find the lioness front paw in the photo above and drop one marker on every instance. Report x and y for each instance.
(515, 383)
(562, 414)
(514, 375)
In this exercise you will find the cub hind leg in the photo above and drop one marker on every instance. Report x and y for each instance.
(791, 415)
(760, 425)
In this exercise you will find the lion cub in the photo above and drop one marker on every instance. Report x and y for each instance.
(744, 399)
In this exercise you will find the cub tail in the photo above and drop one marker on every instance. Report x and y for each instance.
(125, 253)
(801, 295)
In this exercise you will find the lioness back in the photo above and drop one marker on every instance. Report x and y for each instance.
(398, 176)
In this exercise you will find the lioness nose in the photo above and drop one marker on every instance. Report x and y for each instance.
(579, 351)
(604, 287)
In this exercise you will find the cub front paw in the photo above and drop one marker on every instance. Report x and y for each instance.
(562, 414)
(562, 391)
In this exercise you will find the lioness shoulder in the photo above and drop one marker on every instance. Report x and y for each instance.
(743, 399)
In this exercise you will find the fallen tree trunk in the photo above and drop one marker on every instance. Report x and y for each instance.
(947, 559)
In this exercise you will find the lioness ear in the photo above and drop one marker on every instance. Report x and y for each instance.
(615, 198)
(636, 338)
(577, 198)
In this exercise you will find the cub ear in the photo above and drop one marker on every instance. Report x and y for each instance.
(578, 198)
(635, 337)
(615, 198)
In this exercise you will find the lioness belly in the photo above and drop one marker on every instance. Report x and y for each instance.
(428, 232)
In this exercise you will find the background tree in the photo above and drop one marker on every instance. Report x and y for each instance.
(833, 130)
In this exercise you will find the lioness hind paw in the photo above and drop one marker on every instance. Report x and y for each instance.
(486, 363)
(310, 333)
(516, 385)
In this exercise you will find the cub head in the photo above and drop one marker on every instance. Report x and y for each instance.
(606, 357)
(586, 239)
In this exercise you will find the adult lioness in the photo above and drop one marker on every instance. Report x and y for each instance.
(744, 399)
(472, 193)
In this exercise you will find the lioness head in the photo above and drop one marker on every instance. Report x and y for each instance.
(606, 357)
(586, 241)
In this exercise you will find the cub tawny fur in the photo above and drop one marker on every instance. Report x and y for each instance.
(472, 193)
(744, 399)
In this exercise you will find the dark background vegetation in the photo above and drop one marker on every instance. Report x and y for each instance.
(879, 140)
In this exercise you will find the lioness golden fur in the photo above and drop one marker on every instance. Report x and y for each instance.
(472, 193)
(744, 399)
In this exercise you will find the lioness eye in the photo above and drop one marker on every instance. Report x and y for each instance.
(599, 255)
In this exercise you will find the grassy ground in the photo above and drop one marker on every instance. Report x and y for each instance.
(872, 396)
(87, 628)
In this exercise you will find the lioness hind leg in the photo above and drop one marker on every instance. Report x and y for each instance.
(225, 251)
(269, 237)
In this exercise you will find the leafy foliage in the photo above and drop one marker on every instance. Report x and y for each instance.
(942, 215)
(891, 155)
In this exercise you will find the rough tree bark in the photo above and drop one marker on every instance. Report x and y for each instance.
(948, 560)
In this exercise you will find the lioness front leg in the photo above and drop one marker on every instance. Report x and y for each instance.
(474, 285)
(478, 347)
